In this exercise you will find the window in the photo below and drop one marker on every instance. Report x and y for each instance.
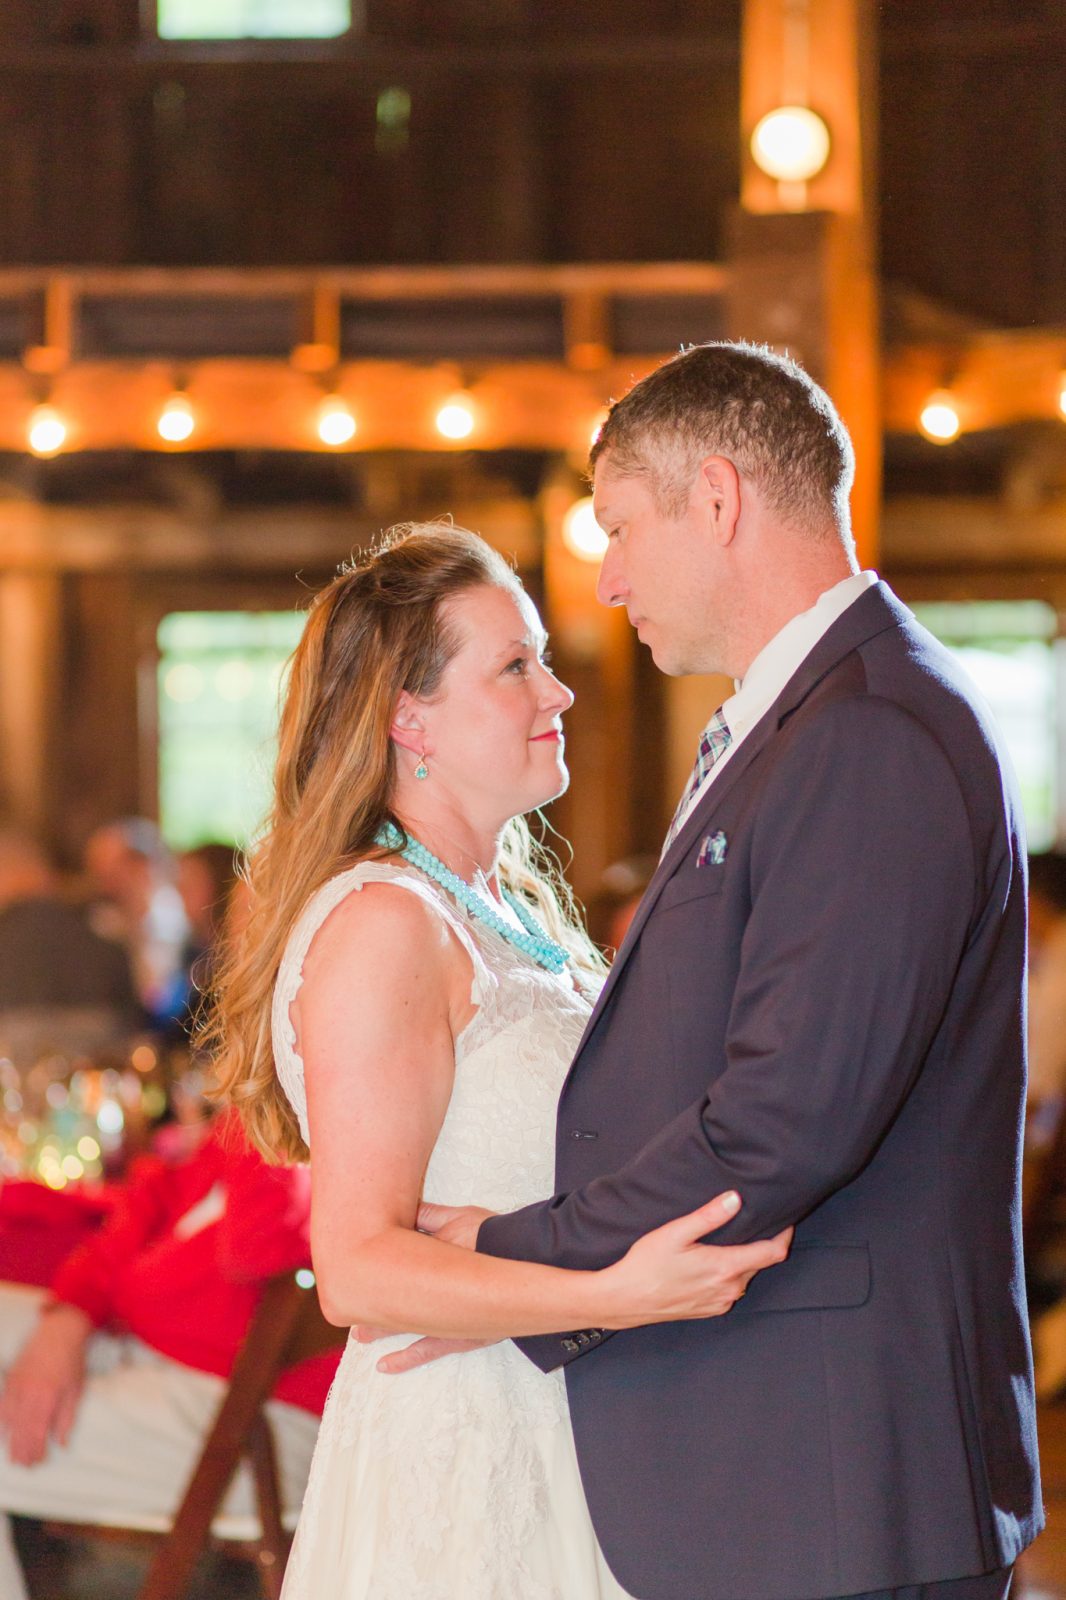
(253, 19)
(219, 678)
(1011, 651)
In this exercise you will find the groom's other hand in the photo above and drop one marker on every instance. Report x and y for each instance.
(421, 1353)
(452, 1224)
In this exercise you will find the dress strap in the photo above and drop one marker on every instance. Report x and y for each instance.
(290, 974)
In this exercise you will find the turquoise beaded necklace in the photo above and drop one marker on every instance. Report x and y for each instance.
(534, 942)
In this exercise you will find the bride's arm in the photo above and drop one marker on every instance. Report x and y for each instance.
(386, 988)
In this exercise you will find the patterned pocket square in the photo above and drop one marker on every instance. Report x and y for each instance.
(712, 850)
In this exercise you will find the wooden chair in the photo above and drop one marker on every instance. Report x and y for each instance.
(288, 1326)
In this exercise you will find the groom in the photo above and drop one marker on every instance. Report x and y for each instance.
(819, 1004)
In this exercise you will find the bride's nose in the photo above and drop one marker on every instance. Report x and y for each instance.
(555, 696)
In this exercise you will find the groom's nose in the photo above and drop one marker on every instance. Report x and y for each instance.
(611, 588)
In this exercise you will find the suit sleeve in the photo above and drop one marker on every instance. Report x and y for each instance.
(862, 896)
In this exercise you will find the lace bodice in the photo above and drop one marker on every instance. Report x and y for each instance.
(496, 1146)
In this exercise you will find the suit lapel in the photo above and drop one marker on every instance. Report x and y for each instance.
(711, 797)
(871, 614)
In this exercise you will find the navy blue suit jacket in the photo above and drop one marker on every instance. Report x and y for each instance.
(829, 1020)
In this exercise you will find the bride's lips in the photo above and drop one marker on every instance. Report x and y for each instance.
(542, 738)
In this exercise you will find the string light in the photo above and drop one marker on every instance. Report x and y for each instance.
(177, 420)
(336, 424)
(582, 534)
(455, 419)
(47, 431)
(939, 420)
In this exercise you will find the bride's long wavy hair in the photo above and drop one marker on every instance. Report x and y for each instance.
(375, 630)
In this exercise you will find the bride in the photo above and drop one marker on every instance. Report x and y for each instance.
(413, 1037)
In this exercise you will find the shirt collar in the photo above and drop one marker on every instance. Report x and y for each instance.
(778, 661)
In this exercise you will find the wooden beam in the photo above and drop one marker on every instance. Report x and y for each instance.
(140, 538)
(380, 283)
(995, 379)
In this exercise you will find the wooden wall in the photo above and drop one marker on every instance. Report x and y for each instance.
(569, 131)
(525, 141)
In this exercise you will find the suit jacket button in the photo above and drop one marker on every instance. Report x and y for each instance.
(571, 1344)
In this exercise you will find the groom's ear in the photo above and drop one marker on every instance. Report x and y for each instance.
(408, 727)
(719, 492)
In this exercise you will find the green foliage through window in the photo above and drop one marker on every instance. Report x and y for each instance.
(220, 676)
(253, 19)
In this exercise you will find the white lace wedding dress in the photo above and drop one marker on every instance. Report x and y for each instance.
(457, 1481)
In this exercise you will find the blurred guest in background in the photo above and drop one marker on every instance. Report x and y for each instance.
(1047, 990)
(133, 874)
(112, 1378)
(1046, 1098)
(62, 986)
(206, 878)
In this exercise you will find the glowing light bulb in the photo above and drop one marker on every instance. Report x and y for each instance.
(582, 534)
(455, 419)
(939, 420)
(177, 420)
(47, 431)
(336, 425)
(790, 144)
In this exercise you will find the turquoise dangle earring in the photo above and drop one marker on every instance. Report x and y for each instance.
(422, 771)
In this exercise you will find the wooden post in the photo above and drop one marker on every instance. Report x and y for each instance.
(593, 653)
(30, 682)
(803, 273)
(801, 264)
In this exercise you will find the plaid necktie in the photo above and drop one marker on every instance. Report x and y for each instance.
(714, 742)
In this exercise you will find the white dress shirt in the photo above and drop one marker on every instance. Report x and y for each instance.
(775, 665)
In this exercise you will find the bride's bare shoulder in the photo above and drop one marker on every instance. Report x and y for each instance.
(380, 924)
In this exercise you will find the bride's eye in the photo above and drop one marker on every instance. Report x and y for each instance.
(519, 666)
(546, 658)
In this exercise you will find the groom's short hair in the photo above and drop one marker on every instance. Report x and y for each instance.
(745, 402)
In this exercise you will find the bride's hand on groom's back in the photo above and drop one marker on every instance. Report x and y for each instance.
(452, 1224)
(456, 1225)
(670, 1276)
